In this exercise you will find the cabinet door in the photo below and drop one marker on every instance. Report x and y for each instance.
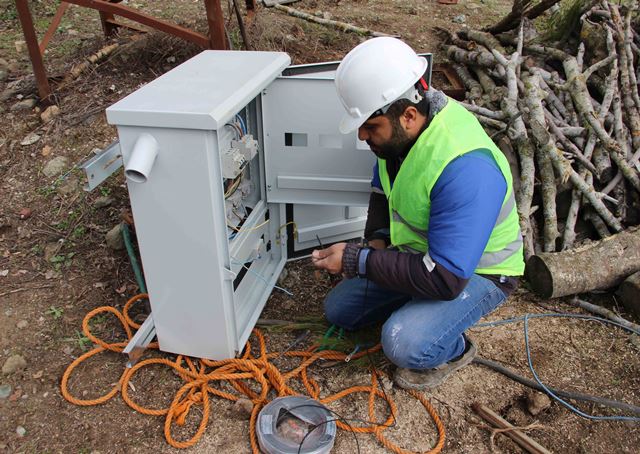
(307, 160)
(322, 175)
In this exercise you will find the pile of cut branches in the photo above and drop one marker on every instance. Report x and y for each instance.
(567, 116)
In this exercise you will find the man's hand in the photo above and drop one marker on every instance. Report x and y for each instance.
(329, 259)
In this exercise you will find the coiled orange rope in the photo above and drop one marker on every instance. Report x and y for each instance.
(200, 374)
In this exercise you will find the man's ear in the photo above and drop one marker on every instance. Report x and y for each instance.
(410, 118)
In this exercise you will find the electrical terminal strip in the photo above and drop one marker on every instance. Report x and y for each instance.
(247, 146)
(233, 161)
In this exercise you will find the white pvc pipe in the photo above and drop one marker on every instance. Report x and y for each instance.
(142, 158)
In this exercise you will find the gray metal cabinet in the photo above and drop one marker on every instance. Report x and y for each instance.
(216, 152)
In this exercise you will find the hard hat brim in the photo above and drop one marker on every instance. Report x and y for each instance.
(349, 124)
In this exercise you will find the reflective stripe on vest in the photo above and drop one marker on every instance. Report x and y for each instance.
(488, 258)
(506, 209)
(493, 258)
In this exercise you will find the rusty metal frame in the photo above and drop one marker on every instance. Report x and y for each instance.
(108, 9)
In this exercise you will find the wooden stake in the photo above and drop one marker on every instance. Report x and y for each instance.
(523, 440)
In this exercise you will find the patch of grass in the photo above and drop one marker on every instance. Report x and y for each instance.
(38, 249)
(55, 312)
(330, 37)
(80, 340)
(98, 320)
(78, 232)
(105, 191)
(60, 261)
(9, 13)
(64, 224)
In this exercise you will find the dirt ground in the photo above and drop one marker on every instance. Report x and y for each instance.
(55, 265)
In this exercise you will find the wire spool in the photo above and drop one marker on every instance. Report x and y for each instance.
(290, 425)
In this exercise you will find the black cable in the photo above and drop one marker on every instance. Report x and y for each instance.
(375, 372)
(566, 394)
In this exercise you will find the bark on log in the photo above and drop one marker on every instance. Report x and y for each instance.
(598, 265)
(629, 293)
(474, 89)
(518, 134)
(546, 147)
(486, 39)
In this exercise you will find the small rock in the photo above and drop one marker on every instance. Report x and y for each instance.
(25, 213)
(50, 250)
(5, 391)
(69, 186)
(38, 374)
(8, 93)
(13, 364)
(387, 383)
(21, 431)
(68, 350)
(30, 139)
(51, 274)
(114, 238)
(21, 46)
(459, 19)
(46, 150)
(22, 324)
(25, 104)
(243, 408)
(4, 273)
(3, 75)
(50, 113)
(55, 166)
(45, 395)
(537, 402)
(103, 202)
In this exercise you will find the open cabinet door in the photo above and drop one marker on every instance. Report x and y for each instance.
(323, 176)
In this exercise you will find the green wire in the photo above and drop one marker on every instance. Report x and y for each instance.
(325, 339)
(132, 258)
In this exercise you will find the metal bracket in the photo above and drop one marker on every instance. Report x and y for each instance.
(102, 166)
(139, 342)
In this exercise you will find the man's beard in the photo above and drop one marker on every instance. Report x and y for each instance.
(397, 146)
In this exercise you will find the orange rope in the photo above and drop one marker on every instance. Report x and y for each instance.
(200, 374)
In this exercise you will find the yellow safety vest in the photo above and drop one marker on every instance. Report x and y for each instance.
(452, 132)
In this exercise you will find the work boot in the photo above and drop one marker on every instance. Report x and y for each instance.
(425, 379)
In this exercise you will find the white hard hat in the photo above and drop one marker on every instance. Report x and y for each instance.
(373, 75)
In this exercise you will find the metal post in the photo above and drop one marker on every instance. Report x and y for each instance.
(108, 26)
(215, 19)
(34, 49)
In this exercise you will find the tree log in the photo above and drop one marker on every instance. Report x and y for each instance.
(474, 89)
(629, 293)
(598, 265)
